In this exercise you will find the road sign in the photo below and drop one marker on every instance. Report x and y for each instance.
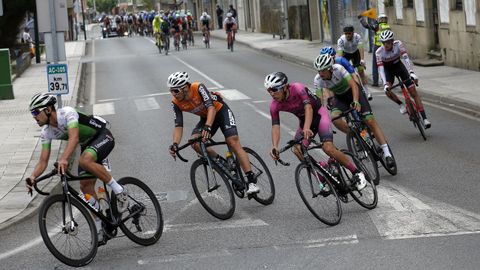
(57, 79)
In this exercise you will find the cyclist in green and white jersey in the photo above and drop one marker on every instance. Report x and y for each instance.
(90, 132)
(336, 79)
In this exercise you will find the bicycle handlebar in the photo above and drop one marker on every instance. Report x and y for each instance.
(209, 142)
(291, 143)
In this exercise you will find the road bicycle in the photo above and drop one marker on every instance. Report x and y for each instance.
(206, 38)
(362, 143)
(176, 41)
(412, 111)
(191, 40)
(159, 42)
(210, 179)
(230, 40)
(184, 39)
(68, 228)
(166, 43)
(322, 185)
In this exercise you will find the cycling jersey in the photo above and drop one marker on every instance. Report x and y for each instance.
(205, 20)
(390, 63)
(345, 63)
(338, 84)
(156, 24)
(298, 97)
(229, 23)
(349, 46)
(199, 100)
(68, 117)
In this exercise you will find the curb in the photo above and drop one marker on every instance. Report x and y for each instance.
(447, 102)
(32, 208)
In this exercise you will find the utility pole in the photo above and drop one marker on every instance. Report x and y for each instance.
(37, 37)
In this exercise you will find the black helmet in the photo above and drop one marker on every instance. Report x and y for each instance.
(348, 29)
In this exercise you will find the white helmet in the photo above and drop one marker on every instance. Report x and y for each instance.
(382, 16)
(229, 14)
(323, 62)
(275, 80)
(386, 35)
(41, 100)
(204, 14)
(177, 79)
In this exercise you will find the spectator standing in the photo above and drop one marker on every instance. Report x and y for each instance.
(219, 16)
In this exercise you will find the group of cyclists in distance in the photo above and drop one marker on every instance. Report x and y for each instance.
(163, 24)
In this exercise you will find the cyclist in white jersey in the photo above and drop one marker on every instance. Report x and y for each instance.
(350, 46)
(90, 132)
(335, 78)
(389, 61)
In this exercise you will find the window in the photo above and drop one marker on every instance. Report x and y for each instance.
(458, 4)
(409, 4)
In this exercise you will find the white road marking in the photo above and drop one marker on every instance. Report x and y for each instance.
(184, 257)
(146, 104)
(224, 224)
(109, 99)
(93, 85)
(22, 248)
(261, 101)
(157, 94)
(233, 94)
(400, 214)
(199, 72)
(103, 108)
(289, 130)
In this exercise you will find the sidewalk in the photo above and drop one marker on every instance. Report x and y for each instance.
(19, 142)
(454, 87)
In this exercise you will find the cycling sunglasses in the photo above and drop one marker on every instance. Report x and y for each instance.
(36, 112)
(274, 90)
(176, 90)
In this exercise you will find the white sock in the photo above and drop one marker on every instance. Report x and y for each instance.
(386, 151)
(115, 186)
(98, 224)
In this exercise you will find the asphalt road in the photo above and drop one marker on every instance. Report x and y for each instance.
(427, 217)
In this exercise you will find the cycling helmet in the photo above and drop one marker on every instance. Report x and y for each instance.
(41, 100)
(275, 80)
(382, 16)
(348, 29)
(204, 14)
(229, 14)
(323, 62)
(386, 35)
(177, 79)
(328, 50)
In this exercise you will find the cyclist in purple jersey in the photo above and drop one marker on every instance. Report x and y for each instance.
(297, 99)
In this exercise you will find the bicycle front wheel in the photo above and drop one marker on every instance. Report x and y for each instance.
(145, 226)
(363, 154)
(212, 190)
(415, 118)
(318, 194)
(263, 176)
(367, 197)
(72, 239)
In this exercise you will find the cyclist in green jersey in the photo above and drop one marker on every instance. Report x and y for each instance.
(336, 79)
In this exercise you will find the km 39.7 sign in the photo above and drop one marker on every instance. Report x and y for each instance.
(57, 79)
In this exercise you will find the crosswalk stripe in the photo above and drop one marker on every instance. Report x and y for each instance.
(233, 94)
(145, 104)
(104, 108)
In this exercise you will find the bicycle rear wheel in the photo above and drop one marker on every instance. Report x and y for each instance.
(263, 176)
(74, 245)
(415, 118)
(367, 197)
(323, 203)
(145, 226)
(216, 196)
(358, 148)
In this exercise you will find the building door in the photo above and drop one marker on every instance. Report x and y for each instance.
(436, 22)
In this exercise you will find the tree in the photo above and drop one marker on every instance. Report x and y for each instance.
(148, 4)
(14, 12)
(103, 5)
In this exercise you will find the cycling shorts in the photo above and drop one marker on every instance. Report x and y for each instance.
(224, 119)
(354, 57)
(398, 69)
(342, 103)
(99, 146)
(321, 124)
